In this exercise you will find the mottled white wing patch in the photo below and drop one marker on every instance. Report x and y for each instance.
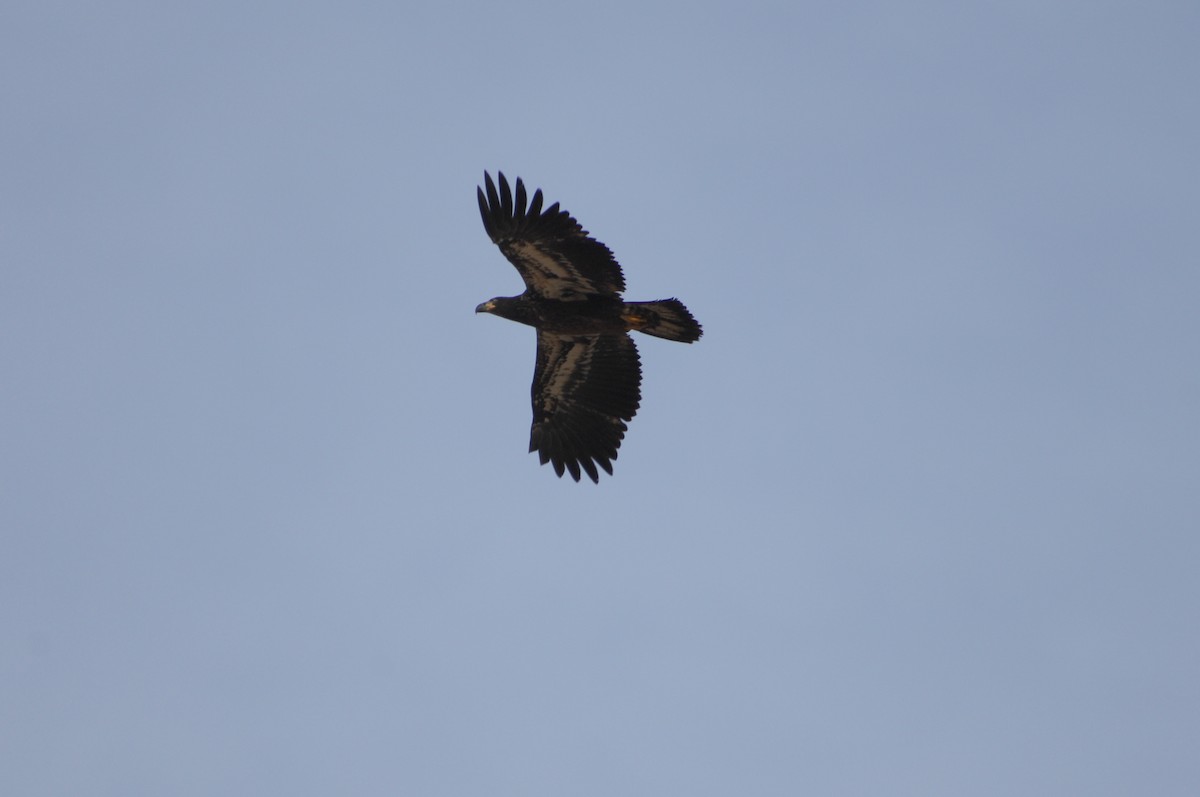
(567, 364)
(554, 276)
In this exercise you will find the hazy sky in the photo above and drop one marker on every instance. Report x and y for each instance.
(920, 514)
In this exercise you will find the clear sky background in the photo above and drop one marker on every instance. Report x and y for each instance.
(918, 516)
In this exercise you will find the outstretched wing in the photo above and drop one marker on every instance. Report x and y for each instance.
(584, 389)
(554, 255)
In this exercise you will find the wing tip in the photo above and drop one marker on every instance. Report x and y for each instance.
(502, 209)
(485, 214)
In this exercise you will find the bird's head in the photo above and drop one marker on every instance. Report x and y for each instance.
(514, 308)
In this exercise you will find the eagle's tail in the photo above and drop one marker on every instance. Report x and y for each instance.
(666, 318)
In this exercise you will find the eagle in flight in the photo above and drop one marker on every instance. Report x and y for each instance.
(587, 378)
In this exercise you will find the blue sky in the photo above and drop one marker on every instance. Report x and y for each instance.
(918, 515)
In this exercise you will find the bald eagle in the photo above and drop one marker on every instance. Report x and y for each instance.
(587, 376)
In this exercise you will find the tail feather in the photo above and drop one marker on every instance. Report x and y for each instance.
(665, 318)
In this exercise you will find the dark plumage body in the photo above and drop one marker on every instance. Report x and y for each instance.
(587, 378)
(594, 315)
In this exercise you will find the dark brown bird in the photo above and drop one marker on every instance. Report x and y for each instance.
(587, 379)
